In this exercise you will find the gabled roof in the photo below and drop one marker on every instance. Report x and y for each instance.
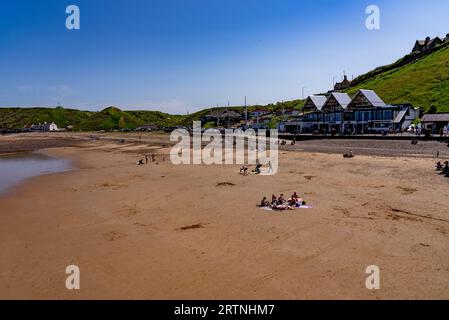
(372, 97)
(343, 99)
(436, 117)
(318, 101)
(421, 42)
(435, 40)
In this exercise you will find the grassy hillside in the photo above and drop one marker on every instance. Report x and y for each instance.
(114, 118)
(107, 119)
(424, 82)
(420, 79)
(20, 117)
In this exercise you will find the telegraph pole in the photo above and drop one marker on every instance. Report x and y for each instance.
(303, 92)
(227, 112)
(246, 114)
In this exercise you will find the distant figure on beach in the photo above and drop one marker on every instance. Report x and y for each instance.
(281, 199)
(349, 155)
(140, 162)
(244, 170)
(257, 169)
(264, 203)
(273, 200)
(445, 168)
(152, 158)
(270, 167)
(146, 159)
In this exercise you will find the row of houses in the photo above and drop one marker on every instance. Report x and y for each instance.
(337, 112)
(226, 117)
(44, 127)
(429, 44)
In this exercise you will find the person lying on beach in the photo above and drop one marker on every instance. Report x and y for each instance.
(300, 203)
(281, 207)
(140, 162)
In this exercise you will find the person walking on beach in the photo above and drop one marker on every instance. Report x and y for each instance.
(270, 167)
(146, 159)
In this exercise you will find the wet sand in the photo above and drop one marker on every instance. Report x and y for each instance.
(129, 229)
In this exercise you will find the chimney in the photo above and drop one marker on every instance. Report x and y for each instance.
(427, 40)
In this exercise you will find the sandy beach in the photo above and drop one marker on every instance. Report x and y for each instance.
(194, 232)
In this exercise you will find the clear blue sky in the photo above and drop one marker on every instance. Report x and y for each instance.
(179, 55)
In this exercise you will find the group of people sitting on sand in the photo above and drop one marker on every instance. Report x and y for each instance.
(284, 142)
(280, 203)
(145, 160)
(442, 168)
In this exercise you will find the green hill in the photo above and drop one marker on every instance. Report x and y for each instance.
(107, 119)
(418, 78)
(424, 82)
(114, 118)
(20, 117)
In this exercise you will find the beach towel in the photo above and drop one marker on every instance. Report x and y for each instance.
(301, 207)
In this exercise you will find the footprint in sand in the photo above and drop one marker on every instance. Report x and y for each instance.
(131, 211)
(114, 235)
(111, 186)
(139, 224)
(192, 227)
(308, 178)
(225, 184)
(406, 190)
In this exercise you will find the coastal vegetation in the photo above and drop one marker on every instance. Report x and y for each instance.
(422, 81)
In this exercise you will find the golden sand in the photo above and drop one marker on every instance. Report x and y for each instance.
(194, 232)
